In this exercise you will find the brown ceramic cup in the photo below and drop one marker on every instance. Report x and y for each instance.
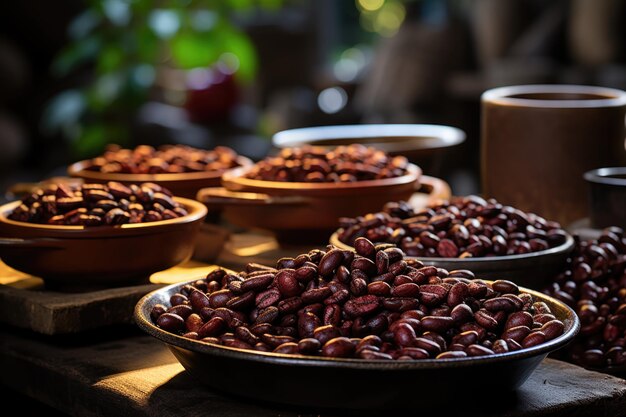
(538, 140)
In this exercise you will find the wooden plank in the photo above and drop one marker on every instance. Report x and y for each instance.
(136, 375)
(26, 303)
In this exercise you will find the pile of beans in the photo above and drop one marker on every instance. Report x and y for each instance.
(594, 284)
(464, 227)
(316, 164)
(374, 304)
(98, 205)
(173, 159)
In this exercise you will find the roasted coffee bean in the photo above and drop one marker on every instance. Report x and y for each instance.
(88, 205)
(342, 164)
(457, 228)
(309, 346)
(326, 333)
(339, 347)
(171, 322)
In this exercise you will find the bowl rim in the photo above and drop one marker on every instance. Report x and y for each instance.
(234, 179)
(602, 176)
(77, 170)
(143, 320)
(564, 247)
(197, 211)
(501, 96)
(447, 135)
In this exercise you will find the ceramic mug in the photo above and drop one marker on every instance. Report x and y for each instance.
(537, 141)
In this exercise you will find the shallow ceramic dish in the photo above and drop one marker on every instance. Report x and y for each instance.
(530, 269)
(184, 184)
(352, 383)
(423, 144)
(84, 256)
(302, 212)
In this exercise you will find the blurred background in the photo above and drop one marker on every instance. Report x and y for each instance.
(78, 74)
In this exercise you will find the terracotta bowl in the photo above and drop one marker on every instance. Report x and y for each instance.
(423, 144)
(183, 185)
(302, 212)
(353, 383)
(530, 269)
(104, 255)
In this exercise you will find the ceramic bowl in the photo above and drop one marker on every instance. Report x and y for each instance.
(532, 270)
(423, 144)
(101, 255)
(353, 383)
(302, 212)
(184, 184)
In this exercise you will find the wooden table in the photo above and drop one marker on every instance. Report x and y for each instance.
(120, 371)
(127, 373)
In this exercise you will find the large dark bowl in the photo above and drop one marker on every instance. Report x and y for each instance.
(101, 255)
(531, 270)
(302, 211)
(352, 383)
(185, 184)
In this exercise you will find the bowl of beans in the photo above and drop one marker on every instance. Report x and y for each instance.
(300, 193)
(98, 234)
(364, 329)
(489, 238)
(593, 282)
(181, 169)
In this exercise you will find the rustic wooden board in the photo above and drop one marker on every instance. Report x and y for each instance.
(134, 374)
(25, 303)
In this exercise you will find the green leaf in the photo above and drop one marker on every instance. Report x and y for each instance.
(192, 50)
(82, 51)
(110, 59)
(240, 45)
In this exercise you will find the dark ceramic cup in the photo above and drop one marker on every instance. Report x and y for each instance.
(607, 197)
(538, 140)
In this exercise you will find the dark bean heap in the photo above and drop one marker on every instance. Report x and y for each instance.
(464, 227)
(98, 205)
(371, 305)
(174, 159)
(594, 284)
(316, 164)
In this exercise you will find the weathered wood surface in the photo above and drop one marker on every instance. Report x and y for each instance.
(133, 374)
(25, 303)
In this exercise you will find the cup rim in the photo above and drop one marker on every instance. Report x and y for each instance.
(502, 96)
(601, 176)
